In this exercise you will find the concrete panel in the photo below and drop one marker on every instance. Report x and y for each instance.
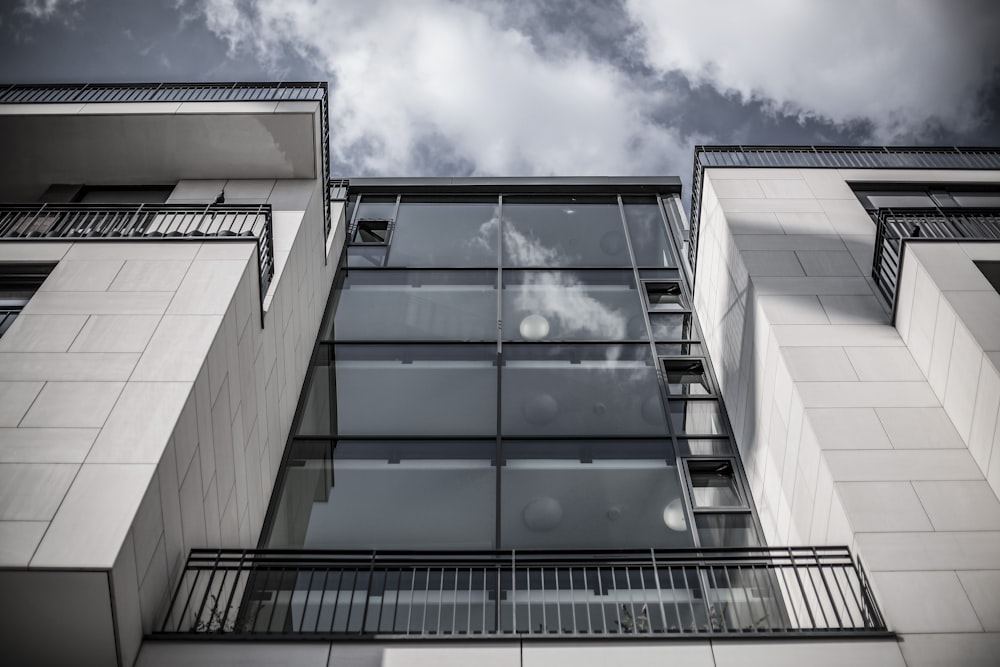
(147, 275)
(42, 333)
(929, 551)
(178, 348)
(854, 309)
(74, 607)
(207, 288)
(82, 275)
(968, 505)
(875, 364)
(66, 366)
(791, 653)
(882, 507)
(45, 445)
(925, 602)
(980, 313)
(15, 399)
(947, 650)
(140, 424)
(98, 303)
(233, 654)
(33, 491)
(919, 428)
(634, 654)
(901, 465)
(18, 541)
(73, 404)
(115, 333)
(823, 364)
(92, 523)
(827, 263)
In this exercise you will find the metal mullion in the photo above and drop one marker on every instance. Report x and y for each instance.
(498, 455)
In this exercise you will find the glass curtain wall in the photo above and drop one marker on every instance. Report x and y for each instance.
(510, 372)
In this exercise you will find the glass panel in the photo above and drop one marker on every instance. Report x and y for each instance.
(978, 200)
(580, 390)
(676, 349)
(696, 417)
(901, 200)
(649, 237)
(372, 231)
(416, 305)
(660, 274)
(685, 377)
(387, 495)
(704, 447)
(713, 484)
(438, 232)
(365, 256)
(571, 231)
(726, 530)
(572, 305)
(376, 208)
(673, 326)
(592, 494)
(665, 296)
(415, 390)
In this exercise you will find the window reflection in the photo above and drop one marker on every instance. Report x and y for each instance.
(443, 232)
(570, 231)
(696, 417)
(388, 495)
(586, 494)
(648, 235)
(572, 305)
(416, 305)
(413, 389)
(580, 390)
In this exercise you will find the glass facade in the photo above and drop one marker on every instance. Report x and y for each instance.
(510, 372)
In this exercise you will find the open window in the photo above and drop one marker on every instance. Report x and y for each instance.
(665, 296)
(372, 230)
(713, 484)
(686, 377)
(18, 283)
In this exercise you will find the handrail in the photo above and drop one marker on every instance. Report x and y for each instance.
(740, 591)
(146, 222)
(895, 226)
(830, 157)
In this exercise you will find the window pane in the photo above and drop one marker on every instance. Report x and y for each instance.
(571, 231)
(726, 530)
(572, 305)
(665, 296)
(415, 390)
(388, 495)
(673, 326)
(648, 235)
(696, 417)
(685, 377)
(594, 494)
(416, 305)
(713, 484)
(676, 349)
(358, 255)
(372, 231)
(704, 447)
(580, 390)
(438, 232)
(376, 208)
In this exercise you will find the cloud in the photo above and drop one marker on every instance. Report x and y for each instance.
(904, 65)
(406, 74)
(45, 9)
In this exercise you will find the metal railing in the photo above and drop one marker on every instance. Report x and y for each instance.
(240, 91)
(831, 157)
(793, 591)
(895, 226)
(146, 222)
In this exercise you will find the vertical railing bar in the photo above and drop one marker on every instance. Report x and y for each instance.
(381, 607)
(368, 593)
(305, 606)
(618, 614)
(812, 582)
(604, 615)
(572, 601)
(659, 591)
(454, 602)
(274, 605)
(586, 587)
(440, 601)
(208, 587)
(715, 588)
(732, 599)
(631, 601)
(862, 608)
(187, 603)
(177, 591)
(395, 606)
(409, 604)
(690, 597)
(802, 589)
(232, 592)
(826, 585)
(468, 617)
(336, 600)
(795, 613)
(843, 598)
(322, 597)
(350, 604)
(559, 625)
(427, 595)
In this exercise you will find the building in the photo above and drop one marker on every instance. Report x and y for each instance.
(253, 414)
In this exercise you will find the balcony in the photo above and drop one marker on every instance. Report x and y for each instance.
(738, 592)
(896, 226)
(143, 223)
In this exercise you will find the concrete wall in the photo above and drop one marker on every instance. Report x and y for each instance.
(145, 409)
(844, 439)
(757, 653)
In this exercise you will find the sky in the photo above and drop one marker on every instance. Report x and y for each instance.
(552, 87)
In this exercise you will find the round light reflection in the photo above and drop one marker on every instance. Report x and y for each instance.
(534, 327)
(673, 515)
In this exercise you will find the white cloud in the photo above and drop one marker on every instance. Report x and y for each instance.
(408, 72)
(898, 63)
(45, 9)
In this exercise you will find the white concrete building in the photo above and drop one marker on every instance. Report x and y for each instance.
(177, 372)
